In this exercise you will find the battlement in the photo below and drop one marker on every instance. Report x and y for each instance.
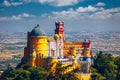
(59, 24)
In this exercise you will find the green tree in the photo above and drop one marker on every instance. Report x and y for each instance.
(25, 72)
(105, 65)
(8, 74)
(17, 74)
(117, 62)
(38, 73)
(23, 65)
(95, 75)
(22, 74)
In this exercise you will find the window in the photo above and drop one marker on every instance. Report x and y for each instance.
(31, 47)
(42, 55)
(37, 40)
(37, 48)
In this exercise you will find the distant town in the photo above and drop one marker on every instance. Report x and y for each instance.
(12, 44)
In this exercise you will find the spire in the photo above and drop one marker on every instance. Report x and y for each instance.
(60, 29)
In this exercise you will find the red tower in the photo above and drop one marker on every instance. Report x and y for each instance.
(60, 29)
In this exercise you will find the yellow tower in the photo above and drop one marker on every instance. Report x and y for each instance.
(37, 47)
(40, 44)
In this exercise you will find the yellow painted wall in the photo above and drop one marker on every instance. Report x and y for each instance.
(70, 67)
(68, 45)
(52, 63)
(73, 52)
(41, 45)
(82, 76)
(87, 52)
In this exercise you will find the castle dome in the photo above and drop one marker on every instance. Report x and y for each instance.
(37, 31)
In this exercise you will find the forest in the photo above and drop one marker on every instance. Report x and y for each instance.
(106, 67)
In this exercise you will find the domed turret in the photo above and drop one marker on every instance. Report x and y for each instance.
(37, 31)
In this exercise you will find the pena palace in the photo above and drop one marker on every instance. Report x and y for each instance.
(49, 52)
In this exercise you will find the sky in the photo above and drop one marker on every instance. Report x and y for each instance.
(78, 15)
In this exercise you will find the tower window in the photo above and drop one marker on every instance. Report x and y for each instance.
(37, 40)
(42, 55)
(31, 47)
(60, 26)
(37, 48)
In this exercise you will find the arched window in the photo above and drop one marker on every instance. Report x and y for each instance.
(37, 40)
(42, 55)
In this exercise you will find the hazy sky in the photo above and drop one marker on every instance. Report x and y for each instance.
(78, 15)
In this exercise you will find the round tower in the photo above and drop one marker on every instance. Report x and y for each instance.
(38, 43)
